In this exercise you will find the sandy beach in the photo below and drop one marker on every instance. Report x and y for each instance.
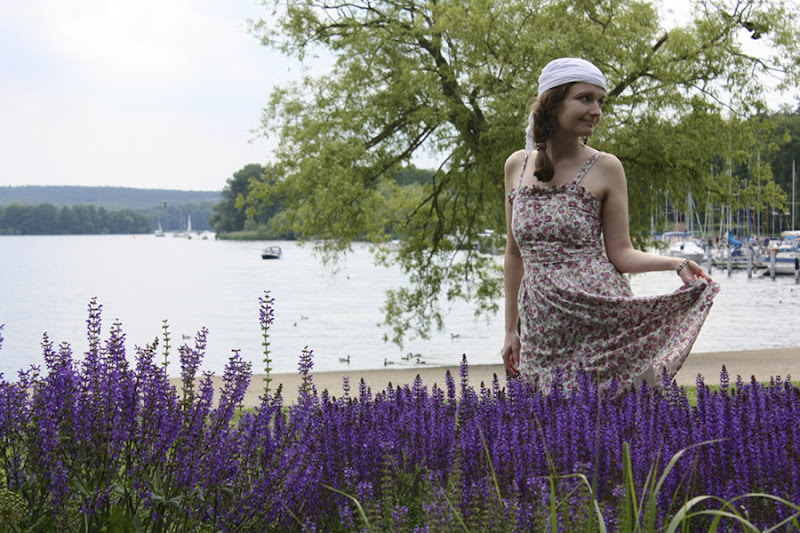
(763, 364)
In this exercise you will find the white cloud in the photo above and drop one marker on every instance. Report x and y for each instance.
(141, 93)
(128, 41)
(147, 93)
(87, 141)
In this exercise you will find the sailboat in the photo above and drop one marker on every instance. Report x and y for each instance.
(681, 243)
(785, 253)
(187, 233)
(160, 231)
(189, 226)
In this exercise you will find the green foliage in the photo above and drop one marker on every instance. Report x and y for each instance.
(252, 207)
(411, 175)
(782, 150)
(227, 217)
(108, 197)
(170, 208)
(46, 219)
(13, 506)
(451, 80)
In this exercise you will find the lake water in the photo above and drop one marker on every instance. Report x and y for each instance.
(46, 283)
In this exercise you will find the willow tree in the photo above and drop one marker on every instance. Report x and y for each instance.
(452, 79)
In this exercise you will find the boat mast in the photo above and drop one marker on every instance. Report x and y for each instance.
(794, 202)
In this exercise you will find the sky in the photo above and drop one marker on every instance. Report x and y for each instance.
(162, 94)
(133, 93)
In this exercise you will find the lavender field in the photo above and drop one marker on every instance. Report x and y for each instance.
(99, 443)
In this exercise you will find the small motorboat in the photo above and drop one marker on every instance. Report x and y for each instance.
(271, 252)
(680, 244)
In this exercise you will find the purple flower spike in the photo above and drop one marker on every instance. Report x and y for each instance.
(102, 441)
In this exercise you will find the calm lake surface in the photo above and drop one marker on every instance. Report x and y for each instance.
(47, 282)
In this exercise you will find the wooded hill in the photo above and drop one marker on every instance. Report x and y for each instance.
(108, 197)
(170, 208)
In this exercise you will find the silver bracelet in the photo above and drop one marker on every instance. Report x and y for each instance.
(683, 264)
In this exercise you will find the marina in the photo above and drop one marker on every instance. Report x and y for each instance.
(733, 238)
(768, 257)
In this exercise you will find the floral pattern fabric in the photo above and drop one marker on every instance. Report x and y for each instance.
(577, 311)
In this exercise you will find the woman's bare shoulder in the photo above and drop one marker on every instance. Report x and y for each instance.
(513, 168)
(605, 177)
(515, 160)
(611, 167)
(609, 161)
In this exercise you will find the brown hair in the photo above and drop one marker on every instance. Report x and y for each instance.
(545, 111)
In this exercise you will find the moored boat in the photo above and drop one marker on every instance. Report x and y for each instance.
(736, 255)
(271, 252)
(680, 244)
(786, 256)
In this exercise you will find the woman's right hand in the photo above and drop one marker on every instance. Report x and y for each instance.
(691, 271)
(510, 354)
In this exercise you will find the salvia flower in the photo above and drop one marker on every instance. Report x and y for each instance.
(101, 442)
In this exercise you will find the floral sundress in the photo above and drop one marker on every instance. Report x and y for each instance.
(577, 311)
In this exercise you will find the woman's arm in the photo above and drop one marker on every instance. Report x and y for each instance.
(616, 230)
(513, 271)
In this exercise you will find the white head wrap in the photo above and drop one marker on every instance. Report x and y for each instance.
(568, 70)
(529, 144)
(561, 71)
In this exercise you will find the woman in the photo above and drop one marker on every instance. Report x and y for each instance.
(568, 305)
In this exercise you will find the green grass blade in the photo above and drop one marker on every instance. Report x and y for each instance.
(296, 519)
(630, 509)
(794, 518)
(778, 499)
(491, 468)
(553, 506)
(601, 526)
(652, 500)
(719, 514)
(455, 512)
(551, 467)
(361, 511)
(683, 513)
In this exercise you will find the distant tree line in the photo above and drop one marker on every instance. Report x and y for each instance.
(47, 219)
(108, 197)
(168, 207)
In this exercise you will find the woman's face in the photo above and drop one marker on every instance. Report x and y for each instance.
(581, 110)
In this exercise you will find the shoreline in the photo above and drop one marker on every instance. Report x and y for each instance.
(763, 364)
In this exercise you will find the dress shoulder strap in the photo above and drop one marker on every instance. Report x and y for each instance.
(586, 166)
(522, 172)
